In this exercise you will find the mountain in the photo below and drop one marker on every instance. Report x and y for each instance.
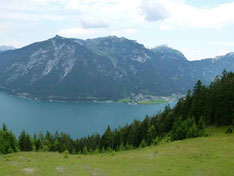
(101, 69)
(208, 69)
(5, 48)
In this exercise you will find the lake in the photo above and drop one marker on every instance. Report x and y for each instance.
(76, 119)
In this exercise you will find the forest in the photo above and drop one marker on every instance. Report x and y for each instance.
(201, 109)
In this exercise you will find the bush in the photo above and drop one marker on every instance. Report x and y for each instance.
(192, 131)
(10, 150)
(143, 144)
(188, 128)
(229, 130)
(85, 150)
(66, 154)
(128, 147)
(201, 127)
(156, 141)
(45, 148)
(121, 147)
(96, 151)
(112, 153)
(179, 130)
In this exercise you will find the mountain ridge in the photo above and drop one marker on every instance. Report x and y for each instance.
(6, 48)
(102, 68)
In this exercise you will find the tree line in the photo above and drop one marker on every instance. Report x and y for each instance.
(203, 106)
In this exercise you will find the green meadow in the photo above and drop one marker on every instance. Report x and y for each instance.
(204, 156)
(148, 102)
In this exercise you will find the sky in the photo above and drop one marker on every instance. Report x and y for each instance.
(198, 28)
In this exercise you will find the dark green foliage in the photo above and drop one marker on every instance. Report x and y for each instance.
(229, 129)
(156, 141)
(151, 135)
(143, 144)
(8, 143)
(25, 142)
(201, 127)
(183, 129)
(107, 139)
(37, 143)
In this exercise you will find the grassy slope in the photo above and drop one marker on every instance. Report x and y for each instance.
(206, 156)
(124, 100)
(147, 102)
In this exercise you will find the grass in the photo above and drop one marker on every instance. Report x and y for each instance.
(124, 100)
(147, 102)
(205, 156)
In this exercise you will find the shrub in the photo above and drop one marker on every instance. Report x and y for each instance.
(66, 154)
(112, 153)
(229, 130)
(143, 144)
(45, 148)
(156, 141)
(187, 129)
(85, 150)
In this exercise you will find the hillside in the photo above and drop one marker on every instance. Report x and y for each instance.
(210, 156)
(107, 68)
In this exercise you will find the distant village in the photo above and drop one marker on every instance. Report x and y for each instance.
(151, 99)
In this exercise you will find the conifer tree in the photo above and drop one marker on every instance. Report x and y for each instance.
(22, 141)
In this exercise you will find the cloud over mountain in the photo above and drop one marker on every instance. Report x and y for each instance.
(154, 11)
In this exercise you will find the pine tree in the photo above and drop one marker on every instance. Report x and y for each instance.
(4, 128)
(107, 139)
(22, 141)
(151, 135)
(29, 144)
(25, 142)
(8, 143)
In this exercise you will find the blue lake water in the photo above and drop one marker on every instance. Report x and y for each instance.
(76, 119)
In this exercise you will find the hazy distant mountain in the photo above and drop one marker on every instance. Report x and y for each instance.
(5, 48)
(102, 68)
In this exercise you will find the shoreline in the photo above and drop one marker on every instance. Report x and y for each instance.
(131, 101)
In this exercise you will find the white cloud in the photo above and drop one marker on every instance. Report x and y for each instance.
(94, 32)
(130, 31)
(86, 13)
(182, 15)
(93, 24)
(224, 47)
(76, 32)
(224, 43)
(112, 11)
(122, 32)
(142, 20)
(26, 5)
(171, 14)
(154, 11)
(223, 52)
(24, 16)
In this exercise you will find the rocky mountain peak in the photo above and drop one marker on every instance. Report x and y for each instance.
(169, 53)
